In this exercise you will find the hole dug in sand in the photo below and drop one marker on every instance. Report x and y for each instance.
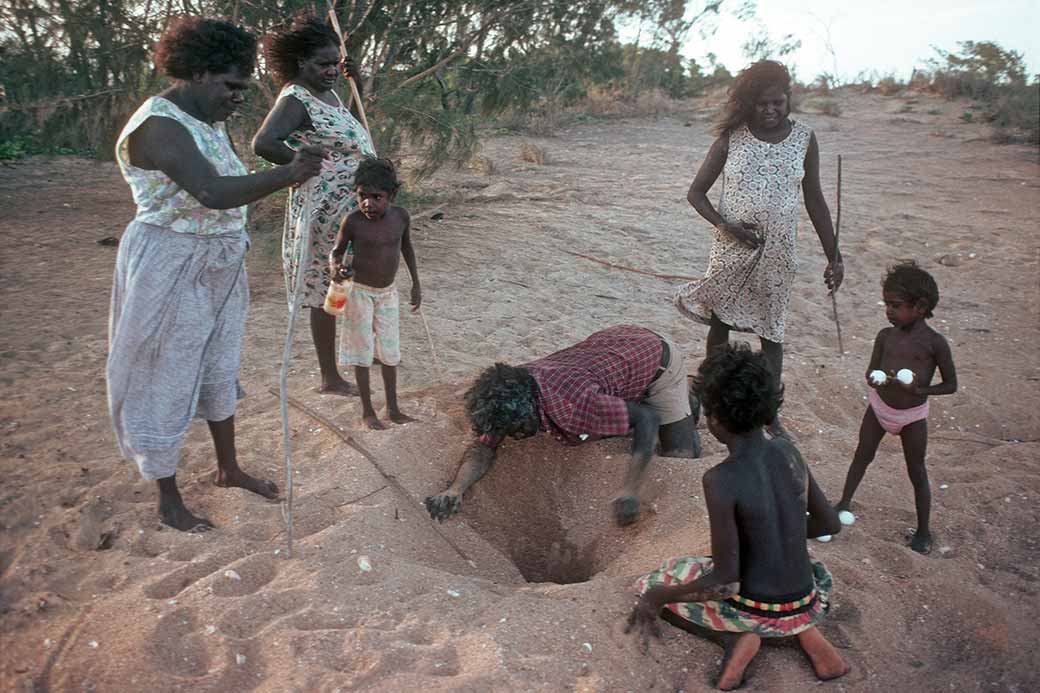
(548, 508)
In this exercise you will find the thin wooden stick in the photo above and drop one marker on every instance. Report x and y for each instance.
(390, 478)
(624, 268)
(436, 359)
(837, 231)
(354, 95)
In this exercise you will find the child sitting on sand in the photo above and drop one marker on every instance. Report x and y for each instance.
(762, 505)
(899, 375)
(379, 233)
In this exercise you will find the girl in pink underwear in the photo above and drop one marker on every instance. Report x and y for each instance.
(900, 374)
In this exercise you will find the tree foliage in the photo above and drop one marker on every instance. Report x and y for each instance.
(996, 78)
(73, 70)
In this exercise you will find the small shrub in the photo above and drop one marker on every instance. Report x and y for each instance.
(824, 105)
(994, 79)
(484, 165)
(532, 153)
(889, 85)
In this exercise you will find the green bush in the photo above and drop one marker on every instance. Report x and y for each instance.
(996, 80)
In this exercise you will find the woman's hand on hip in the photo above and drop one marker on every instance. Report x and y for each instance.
(743, 232)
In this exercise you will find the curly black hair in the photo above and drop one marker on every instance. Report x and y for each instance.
(195, 45)
(377, 173)
(284, 48)
(911, 282)
(746, 88)
(736, 386)
(501, 402)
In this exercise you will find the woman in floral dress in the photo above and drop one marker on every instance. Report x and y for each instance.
(180, 292)
(304, 58)
(765, 159)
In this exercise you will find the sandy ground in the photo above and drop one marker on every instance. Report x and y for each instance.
(97, 595)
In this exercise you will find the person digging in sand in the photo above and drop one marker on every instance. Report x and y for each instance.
(180, 293)
(763, 502)
(767, 161)
(899, 375)
(620, 379)
(379, 234)
(303, 58)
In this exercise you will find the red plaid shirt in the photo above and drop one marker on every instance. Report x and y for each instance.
(582, 389)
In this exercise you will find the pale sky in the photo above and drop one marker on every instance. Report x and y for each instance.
(885, 36)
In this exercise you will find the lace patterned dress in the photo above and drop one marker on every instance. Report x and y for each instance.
(747, 288)
(333, 192)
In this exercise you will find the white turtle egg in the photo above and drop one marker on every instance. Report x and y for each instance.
(878, 377)
(905, 376)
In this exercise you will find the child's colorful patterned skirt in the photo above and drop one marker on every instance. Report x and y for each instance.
(739, 614)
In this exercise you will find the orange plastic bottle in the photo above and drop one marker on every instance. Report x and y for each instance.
(336, 298)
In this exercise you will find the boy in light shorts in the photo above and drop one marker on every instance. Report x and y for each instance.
(379, 233)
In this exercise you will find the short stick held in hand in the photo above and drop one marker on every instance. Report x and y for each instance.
(837, 231)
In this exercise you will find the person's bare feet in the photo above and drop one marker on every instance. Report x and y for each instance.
(372, 422)
(178, 517)
(736, 661)
(398, 417)
(826, 661)
(239, 479)
(338, 386)
(921, 543)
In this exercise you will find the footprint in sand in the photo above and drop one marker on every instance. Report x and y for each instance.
(376, 655)
(312, 518)
(185, 576)
(245, 576)
(176, 648)
(321, 619)
(253, 614)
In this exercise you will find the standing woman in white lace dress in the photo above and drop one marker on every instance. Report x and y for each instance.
(765, 157)
(304, 59)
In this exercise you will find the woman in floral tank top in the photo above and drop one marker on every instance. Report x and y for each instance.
(768, 161)
(304, 58)
(179, 292)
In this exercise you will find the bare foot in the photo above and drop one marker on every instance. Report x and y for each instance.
(239, 479)
(399, 418)
(338, 387)
(737, 660)
(178, 517)
(826, 661)
(372, 422)
(921, 543)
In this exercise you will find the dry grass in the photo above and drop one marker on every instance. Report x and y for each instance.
(820, 104)
(532, 153)
(483, 164)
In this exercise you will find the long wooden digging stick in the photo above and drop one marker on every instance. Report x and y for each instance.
(390, 478)
(354, 95)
